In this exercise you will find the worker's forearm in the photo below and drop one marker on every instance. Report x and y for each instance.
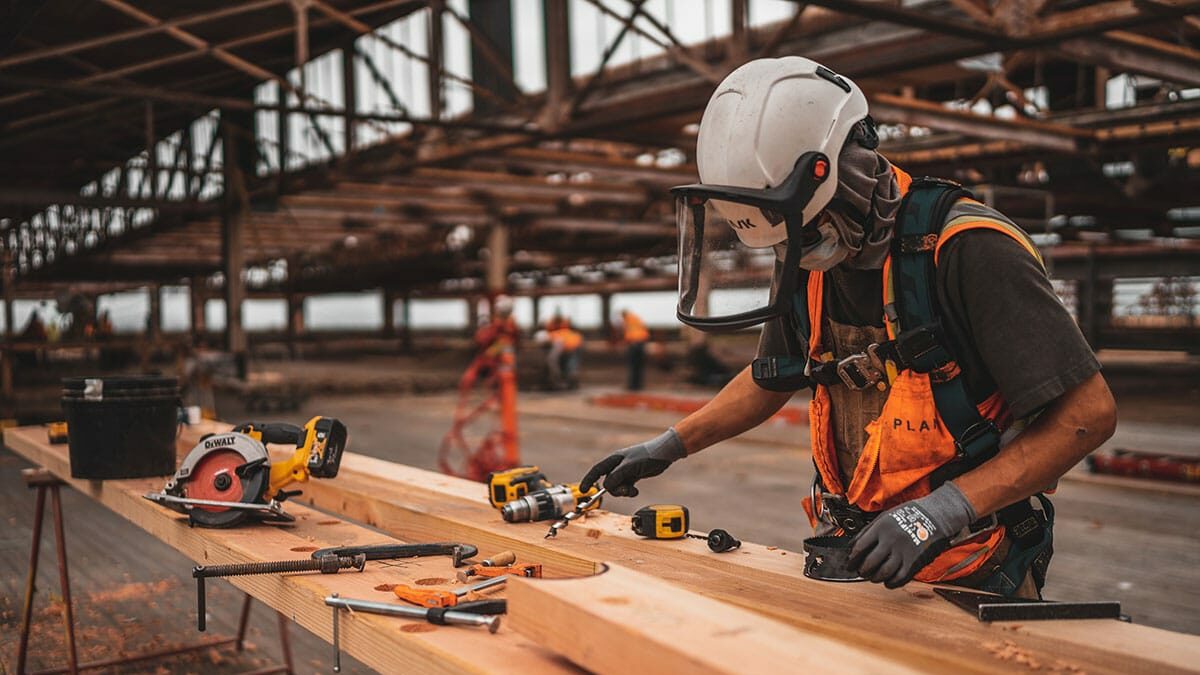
(1078, 423)
(741, 405)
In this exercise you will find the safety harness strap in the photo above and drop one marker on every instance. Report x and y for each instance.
(789, 373)
(920, 220)
(976, 439)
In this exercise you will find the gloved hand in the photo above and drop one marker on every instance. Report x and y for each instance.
(625, 467)
(901, 541)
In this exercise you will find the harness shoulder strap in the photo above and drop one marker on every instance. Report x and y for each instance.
(790, 372)
(919, 226)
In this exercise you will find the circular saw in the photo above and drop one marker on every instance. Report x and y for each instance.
(229, 478)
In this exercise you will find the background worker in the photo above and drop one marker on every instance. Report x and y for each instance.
(950, 383)
(562, 361)
(635, 335)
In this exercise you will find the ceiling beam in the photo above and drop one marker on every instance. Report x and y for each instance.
(1129, 52)
(53, 51)
(915, 112)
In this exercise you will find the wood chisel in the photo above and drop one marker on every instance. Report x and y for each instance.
(579, 509)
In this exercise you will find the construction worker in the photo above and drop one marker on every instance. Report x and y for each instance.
(500, 333)
(635, 335)
(562, 360)
(951, 386)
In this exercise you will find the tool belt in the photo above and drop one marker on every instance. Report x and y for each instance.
(835, 510)
(1029, 530)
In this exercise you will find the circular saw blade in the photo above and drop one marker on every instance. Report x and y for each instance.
(214, 476)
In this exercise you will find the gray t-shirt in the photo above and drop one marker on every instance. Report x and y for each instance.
(1006, 326)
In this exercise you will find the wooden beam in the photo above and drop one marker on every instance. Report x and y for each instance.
(558, 62)
(136, 33)
(385, 644)
(349, 98)
(234, 214)
(915, 112)
(937, 637)
(1129, 52)
(623, 621)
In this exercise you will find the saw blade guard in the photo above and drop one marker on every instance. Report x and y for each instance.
(228, 467)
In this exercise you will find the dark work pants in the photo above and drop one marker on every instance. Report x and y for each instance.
(635, 356)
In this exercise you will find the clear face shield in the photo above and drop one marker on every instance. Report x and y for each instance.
(732, 241)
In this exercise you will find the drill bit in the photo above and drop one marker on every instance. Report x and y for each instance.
(566, 520)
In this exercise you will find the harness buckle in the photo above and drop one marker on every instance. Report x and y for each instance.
(985, 524)
(969, 444)
(840, 513)
(858, 372)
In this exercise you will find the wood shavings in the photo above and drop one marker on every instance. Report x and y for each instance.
(329, 522)
(1010, 651)
(304, 549)
(594, 534)
(431, 581)
(772, 548)
(418, 628)
(386, 588)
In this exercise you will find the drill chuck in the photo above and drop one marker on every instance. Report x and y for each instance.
(548, 504)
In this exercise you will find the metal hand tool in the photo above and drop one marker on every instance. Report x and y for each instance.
(481, 613)
(988, 607)
(579, 509)
(442, 598)
(325, 565)
(458, 552)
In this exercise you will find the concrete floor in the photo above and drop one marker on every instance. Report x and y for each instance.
(1140, 547)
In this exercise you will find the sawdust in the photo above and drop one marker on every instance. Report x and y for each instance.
(329, 522)
(304, 549)
(772, 548)
(386, 588)
(418, 628)
(616, 600)
(923, 595)
(132, 591)
(431, 581)
(1010, 651)
(594, 534)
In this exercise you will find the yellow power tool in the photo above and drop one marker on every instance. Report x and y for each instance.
(228, 478)
(510, 484)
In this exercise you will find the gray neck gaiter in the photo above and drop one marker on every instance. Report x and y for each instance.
(865, 183)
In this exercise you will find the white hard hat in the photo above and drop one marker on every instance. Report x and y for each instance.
(758, 123)
(503, 305)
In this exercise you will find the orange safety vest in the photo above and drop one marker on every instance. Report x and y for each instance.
(635, 330)
(908, 440)
(568, 338)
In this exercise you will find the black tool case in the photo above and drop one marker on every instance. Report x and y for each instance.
(121, 427)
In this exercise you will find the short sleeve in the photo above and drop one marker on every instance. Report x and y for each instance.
(1004, 313)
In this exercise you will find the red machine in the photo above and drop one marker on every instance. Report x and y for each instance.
(487, 398)
(1154, 466)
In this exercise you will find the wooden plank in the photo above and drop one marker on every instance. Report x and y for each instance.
(623, 621)
(389, 645)
(938, 637)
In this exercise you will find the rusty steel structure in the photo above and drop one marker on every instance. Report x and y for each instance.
(153, 142)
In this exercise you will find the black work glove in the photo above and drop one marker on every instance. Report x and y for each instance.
(902, 541)
(625, 467)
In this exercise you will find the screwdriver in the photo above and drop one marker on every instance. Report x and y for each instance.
(566, 520)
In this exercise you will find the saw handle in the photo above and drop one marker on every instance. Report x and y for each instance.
(278, 433)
